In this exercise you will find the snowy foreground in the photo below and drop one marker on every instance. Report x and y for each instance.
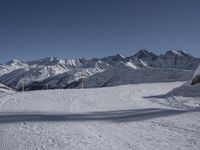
(115, 118)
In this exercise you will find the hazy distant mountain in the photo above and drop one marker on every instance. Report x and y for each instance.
(144, 66)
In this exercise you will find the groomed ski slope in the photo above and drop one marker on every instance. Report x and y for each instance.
(114, 118)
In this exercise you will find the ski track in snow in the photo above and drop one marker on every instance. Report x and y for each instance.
(97, 121)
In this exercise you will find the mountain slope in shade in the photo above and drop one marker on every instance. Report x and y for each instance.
(122, 75)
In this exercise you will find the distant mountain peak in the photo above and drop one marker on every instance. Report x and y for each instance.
(14, 62)
(50, 59)
(144, 53)
(180, 53)
(116, 57)
(119, 55)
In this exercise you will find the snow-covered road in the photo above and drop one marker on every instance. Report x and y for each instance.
(115, 118)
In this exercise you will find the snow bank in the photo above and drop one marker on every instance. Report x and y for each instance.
(196, 76)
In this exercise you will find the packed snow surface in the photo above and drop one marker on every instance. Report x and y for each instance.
(115, 118)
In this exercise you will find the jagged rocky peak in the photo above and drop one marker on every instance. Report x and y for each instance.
(119, 56)
(144, 53)
(175, 52)
(116, 57)
(146, 58)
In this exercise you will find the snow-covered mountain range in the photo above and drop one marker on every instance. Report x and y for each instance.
(144, 66)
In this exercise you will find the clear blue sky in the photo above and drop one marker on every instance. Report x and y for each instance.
(31, 29)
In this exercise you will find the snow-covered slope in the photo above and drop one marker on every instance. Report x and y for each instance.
(4, 90)
(115, 118)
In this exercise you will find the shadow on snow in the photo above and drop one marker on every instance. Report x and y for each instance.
(109, 116)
